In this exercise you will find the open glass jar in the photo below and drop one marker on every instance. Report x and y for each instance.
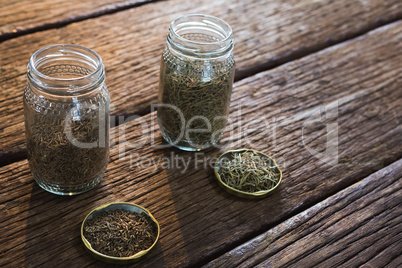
(66, 105)
(196, 78)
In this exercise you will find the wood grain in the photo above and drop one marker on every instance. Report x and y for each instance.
(130, 43)
(199, 221)
(25, 16)
(357, 227)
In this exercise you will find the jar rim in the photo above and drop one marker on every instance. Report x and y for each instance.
(81, 83)
(211, 19)
(198, 21)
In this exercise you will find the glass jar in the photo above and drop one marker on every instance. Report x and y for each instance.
(196, 79)
(66, 105)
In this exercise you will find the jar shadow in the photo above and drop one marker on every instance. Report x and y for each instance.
(53, 227)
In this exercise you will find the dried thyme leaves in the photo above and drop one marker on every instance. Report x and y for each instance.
(55, 158)
(249, 171)
(120, 233)
(201, 97)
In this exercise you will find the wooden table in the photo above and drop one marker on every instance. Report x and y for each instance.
(318, 87)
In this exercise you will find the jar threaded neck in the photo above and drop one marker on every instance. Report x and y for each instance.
(65, 69)
(200, 36)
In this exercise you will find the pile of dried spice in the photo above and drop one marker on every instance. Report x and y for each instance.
(199, 95)
(53, 156)
(249, 171)
(120, 233)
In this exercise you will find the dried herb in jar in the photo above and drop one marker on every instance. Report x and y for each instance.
(120, 233)
(54, 152)
(249, 171)
(201, 97)
(196, 79)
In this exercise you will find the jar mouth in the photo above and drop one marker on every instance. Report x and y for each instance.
(201, 35)
(65, 69)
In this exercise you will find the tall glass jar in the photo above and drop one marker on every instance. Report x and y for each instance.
(66, 105)
(196, 78)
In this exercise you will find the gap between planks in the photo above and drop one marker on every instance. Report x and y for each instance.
(243, 73)
(295, 213)
(363, 100)
(107, 10)
(18, 154)
(360, 193)
(280, 35)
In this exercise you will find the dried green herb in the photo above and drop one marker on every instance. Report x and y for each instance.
(201, 93)
(249, 171)
(120, 233)
(55, 159)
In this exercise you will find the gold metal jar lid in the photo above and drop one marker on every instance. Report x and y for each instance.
(118, 260)
(239, 193)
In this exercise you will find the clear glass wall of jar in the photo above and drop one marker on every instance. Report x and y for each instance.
(66, 105)
(196, 78)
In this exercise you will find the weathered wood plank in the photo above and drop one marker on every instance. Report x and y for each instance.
(357, 227)
(24, 16)
(198, 219)
(130, 43)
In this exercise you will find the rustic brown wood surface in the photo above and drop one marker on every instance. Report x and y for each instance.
(24, 16)
(359, 226)
(130, 43)
(353, 87)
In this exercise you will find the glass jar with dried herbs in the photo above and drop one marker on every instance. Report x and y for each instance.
(66, 105)
(196, 78)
